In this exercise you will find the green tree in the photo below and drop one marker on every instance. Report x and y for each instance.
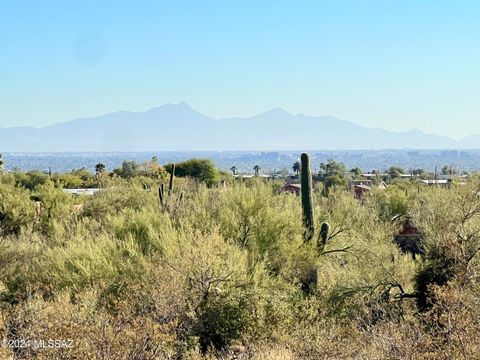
(333, 174)
(86, 177)
(127, 170)
(296, 167)
(358, 172)
(154, 169)
(448, 170)
(99, 169)
(68, 181)
(30, 180)
(395, 171)
(201, 169)
(331, 167)
(418, 172)
(82, 173)
(256, 168)
(233, 169)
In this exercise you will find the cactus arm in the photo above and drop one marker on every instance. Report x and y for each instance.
(323, 236)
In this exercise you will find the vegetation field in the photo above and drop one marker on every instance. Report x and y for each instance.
(211, 269)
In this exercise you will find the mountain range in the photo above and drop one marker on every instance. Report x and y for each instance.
(175, 127)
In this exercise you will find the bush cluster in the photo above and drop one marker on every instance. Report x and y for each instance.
(229, 275)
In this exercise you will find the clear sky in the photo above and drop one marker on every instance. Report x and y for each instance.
(380, 63)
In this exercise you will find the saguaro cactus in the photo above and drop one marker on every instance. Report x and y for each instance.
(172, 175)
(307, 201)
(323, 236)
(168, 200)
(162, 195)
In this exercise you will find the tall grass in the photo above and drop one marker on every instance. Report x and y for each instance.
(226, 272)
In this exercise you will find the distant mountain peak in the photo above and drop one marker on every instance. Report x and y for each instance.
(179, 108)
(278, 111)
(275, 129)
(183, 104)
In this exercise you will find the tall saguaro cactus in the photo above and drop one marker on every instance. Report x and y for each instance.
(307, 200)
(168, 200)
(162, 195)
(172, 175)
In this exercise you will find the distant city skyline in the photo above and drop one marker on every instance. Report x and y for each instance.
(244, 161)
(390, 65)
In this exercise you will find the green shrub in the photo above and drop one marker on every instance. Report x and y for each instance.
(227, 274)
(200, 169)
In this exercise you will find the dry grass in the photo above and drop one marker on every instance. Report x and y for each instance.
(223, 275)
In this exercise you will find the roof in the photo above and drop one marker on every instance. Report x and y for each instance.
(364, 187)
(248, 176)
(367, 175)
(434, 181)
(82, 191)
(297, 186)
(361, 181)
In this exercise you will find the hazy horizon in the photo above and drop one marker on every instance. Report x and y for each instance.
(232, 116)
(395, 66)
(269, 161)
(278, 108)
(272, 130)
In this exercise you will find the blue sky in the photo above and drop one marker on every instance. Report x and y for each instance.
(392, 64)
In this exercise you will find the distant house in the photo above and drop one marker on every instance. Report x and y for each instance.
(361, 186)
(409, 238)
(360, 190)
(82, 191)
(292, 189)
(439, 182)
(349, 174)
(266, 176)
(446, 176)
(409, 176)
(368, 182)
(292, 179)
(373, 176)
(251, 176)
